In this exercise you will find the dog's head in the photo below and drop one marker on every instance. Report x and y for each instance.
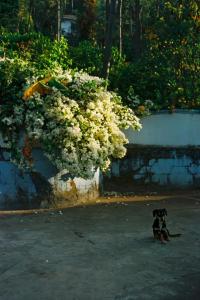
(159, 212)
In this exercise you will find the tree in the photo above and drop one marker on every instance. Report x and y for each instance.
(9, 14)
(120, 26)
(110, 23)
(173, 45)
(87, 19)
(59, 19)
(44, 14)
(137, 33)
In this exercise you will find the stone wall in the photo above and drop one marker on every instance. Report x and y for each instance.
(43, 187)
(165, 154)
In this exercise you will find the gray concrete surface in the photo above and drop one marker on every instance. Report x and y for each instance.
(101, 252)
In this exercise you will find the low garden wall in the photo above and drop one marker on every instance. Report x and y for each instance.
(164, 154)
(44, 187)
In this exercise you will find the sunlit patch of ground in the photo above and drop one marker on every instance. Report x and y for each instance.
(103, 251)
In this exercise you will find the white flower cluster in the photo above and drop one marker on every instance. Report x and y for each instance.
(82, 77)
(140, 106)
(79, 136)
(15, 119)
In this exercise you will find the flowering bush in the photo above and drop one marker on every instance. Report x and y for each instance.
(75, 120)
(140, 106)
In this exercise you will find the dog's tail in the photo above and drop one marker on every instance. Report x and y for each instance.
(175, 235)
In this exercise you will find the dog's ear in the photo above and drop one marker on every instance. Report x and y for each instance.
(155, 212)
(165, 211)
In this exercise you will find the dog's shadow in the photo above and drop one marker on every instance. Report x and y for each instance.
(144, 241)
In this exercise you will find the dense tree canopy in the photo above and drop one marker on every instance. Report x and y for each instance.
(147, 48)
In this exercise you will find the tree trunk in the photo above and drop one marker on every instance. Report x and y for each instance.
(110, 14)
(59, 20)
(120, 27)
(137, 35)
(72, 6)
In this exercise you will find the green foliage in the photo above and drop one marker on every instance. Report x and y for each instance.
(73, 117)
(49, 54)
(87, 18)
(44, 16)
(168, 71)
(117, 64)
(87, 56)
(17, 44)
(9, 14)
(25, 21)
(28, 56)
(13, 74)
(15, 15)
(38, 49)
(27, 15)
(173, 45)
(141, 107)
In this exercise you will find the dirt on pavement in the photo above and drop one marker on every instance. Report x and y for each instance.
(103, 251)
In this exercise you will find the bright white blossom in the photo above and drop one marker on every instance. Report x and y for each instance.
(78, 124)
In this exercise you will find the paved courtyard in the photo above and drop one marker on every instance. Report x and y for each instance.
(101, 252)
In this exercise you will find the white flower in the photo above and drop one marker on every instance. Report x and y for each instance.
(8, 121)
(79, 133)
(74, 131)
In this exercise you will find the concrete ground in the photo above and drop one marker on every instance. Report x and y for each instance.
(101, 252)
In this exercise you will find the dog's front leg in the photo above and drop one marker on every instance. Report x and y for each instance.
(162, 238)
(166, 235)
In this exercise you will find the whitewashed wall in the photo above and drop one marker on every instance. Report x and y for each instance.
(164, 154)
(168, 129)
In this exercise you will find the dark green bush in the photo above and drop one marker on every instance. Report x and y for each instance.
(13, 75)
(39, 49)
(87, 56)
(166, 74)
(25, 56)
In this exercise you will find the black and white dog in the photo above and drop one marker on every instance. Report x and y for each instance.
(160, 230)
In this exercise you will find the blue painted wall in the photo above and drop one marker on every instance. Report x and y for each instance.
(165, 154)
(44, 187)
